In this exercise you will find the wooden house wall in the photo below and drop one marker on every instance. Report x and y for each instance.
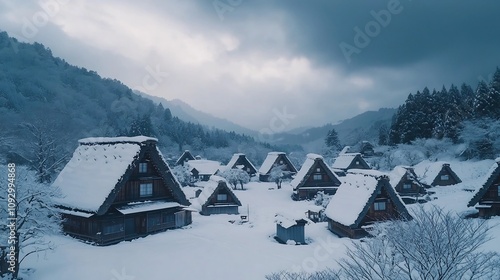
(244, 161)
(295, 233)
(127, 227)
(415, 188)
(326, 180)
(311, 193)
(361, 163)
(492, 194)
(344, 231)
(438, 182)
(214, 210)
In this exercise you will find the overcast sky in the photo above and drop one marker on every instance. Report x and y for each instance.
(251, 60)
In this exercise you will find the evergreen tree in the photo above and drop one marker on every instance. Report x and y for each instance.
(482, 101)
(383, 135)
(332, 139)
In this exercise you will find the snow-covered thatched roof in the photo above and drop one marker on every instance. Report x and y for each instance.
(489, 179)
(204, 166)
(97, 166)
(289, 220)
(355, 195)
(269, 162)
(343, 161)
(234, 159)
(306, 167)
(212, 187)
(428, 171)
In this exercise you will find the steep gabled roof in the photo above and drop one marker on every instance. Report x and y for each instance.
(271, 160)
(186, 155)
(234, 159)
(101, 166)
(307, 169)
(204, 166)
(490, 178)
(344, 161)
(212, 188)
(428, 171)
(353, 199)
(397, 174)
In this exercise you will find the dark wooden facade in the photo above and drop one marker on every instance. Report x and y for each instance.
(295, 233)
(184, 157)
(214, 204)
(283, 161)
(446, 177)
(147, 182)
(393, 208)
(409, 185)
(243, 161)
(319, 178)
(487, 199)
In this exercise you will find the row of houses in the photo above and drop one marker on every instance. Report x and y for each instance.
(121, 188)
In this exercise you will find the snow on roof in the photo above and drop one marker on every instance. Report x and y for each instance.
(482, 183)
(308, 163)
(235, 158)
(145, 206)
(204, 166)
(345, 150)
(397, 174)
(351, 197)
(344, 160)
(269, 162)
(289, 220)
(92, 173)
(121, 139)
(427, 171)
(371, 172)
(209, 187)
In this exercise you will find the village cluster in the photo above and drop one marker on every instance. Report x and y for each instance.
(122, 188)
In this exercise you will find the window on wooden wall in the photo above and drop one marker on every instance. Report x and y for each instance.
(112, 228)
(445, 177)
(143, 167)
(379, 206)
(318, 169)
(221, 197)
(317, 177)
(498, 190)
(146, 190)
(407, 186)
(167, 218)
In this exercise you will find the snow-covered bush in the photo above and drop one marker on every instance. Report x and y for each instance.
(183, 175)
(236, 176)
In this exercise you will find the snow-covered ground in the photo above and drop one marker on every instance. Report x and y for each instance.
(214, 248)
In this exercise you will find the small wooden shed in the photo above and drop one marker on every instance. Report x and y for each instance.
(290, 229)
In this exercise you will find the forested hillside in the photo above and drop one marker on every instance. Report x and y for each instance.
(47, 104)
(463, 115)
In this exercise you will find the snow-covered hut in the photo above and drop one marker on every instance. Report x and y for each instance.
(360, 201)
(119, 188)
(202, 169)
(405, 181)
(487, 198)
(346, 161)
(186, 155)
(217, 198)
(275, 159)
(240, 161)
(290, 228)
(436, 173)
(314, 176)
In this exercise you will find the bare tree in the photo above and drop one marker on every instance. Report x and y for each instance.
(434, 245)
(35, 218)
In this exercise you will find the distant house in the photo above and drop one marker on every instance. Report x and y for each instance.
(240, 161)
(487, 198)
(346, 161)
(360, 201)
(405, 182)
(314, 176)
(365, 148)
(436, 174)
(202, 169)
(121, 188)
(290, 229)
(184, 157)
(275, 159)
(217, 198)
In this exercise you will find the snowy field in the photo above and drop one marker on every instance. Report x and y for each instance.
(213, 248)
